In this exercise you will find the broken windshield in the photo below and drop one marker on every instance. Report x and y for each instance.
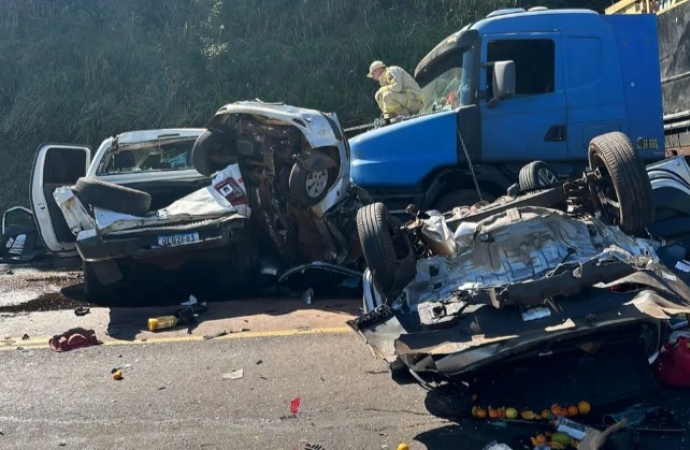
(452, 86)
(155, 156)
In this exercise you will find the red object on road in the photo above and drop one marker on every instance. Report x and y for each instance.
(294, 405)
(672, 367)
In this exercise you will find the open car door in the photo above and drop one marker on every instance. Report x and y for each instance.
(56, 165)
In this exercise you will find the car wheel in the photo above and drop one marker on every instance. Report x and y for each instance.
(623, 186)
(209, 143)
(112, 197)
(384, 246)
(309, 188)
(537, 175)
(463, 197)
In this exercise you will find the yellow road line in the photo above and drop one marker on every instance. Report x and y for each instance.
(37, 343)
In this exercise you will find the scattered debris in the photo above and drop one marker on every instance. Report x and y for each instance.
(117, 375)
(160, 388)
(25, 337)
(263, 378)
(491, 446)
(234, 375)
(307, 296)
(81, 311)
(403, 446)
(314, 447)
(9, 272)
(162, 322)
(62, 444)
(215, 335)
(259, 362)
(294, 405)
(73, 339)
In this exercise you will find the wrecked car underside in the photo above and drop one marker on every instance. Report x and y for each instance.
(547, 267)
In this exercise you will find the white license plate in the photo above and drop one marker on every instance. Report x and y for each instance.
(175, 240)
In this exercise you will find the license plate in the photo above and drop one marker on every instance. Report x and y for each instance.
(178, 239)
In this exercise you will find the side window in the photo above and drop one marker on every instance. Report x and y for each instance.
(535, 64)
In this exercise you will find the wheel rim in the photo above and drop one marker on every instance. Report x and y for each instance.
(606, 191)
(546, 177)
(316, 183)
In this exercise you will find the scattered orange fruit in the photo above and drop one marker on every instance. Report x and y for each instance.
(528, 414)
(541, 439)
(573, 410)
(474, 411)
(493, 413)
(481, 413)
(545, 414)
(555, 409)
(584, 407)
(117, 375)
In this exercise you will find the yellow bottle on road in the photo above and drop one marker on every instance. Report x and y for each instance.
(163, 322)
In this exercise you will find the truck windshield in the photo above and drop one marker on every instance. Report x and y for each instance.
(452, 87)
(148, 158)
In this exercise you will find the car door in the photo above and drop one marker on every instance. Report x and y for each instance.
(532, 124)
(56, 165)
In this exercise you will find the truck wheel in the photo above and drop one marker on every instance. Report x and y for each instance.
(463, 197)
(383, 244)
(309, 188)
(537, 175)
(112, 196)
(208, 145)
(623, 186)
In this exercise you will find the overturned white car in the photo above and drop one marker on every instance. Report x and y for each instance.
(279, 195)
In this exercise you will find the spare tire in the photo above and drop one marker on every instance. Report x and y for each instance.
(378, 236)
(112, 196)
(537, 175)
(208, 144)
(623, 187)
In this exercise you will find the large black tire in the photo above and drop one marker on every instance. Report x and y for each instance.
(309, 188)
(462, 197)
(112, 196)
(537, 175)
(624, 180)
(376, 231)
(208, 144)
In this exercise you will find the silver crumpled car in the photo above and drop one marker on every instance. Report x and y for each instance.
(550, 267)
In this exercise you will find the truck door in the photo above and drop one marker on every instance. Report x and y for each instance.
(56, 166)
(533, 123)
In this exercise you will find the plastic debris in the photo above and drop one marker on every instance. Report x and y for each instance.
(81, 311)
(25, 337)
(234, 375)
(496, 446)
(294, 405)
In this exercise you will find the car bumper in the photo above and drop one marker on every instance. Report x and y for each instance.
(143, 244)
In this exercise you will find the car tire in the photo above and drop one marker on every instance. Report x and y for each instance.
(112, 197)
(205, 146)
(377, 235)
(537, 175)
(309, 188)
(463, 197)
(624, 180)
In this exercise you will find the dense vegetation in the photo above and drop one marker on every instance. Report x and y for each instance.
(78, 70)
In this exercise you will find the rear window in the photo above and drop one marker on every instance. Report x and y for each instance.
(154, 157)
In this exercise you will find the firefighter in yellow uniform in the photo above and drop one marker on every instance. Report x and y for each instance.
(399, 95)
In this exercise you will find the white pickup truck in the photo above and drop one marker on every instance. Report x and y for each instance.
(157, 162)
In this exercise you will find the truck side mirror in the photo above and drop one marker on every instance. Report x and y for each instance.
(503, 82)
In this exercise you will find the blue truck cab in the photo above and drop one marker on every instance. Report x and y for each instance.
(562, 78)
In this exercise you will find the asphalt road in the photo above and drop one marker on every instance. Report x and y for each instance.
(174, 396)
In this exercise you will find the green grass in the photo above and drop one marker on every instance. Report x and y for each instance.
(76, 71)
